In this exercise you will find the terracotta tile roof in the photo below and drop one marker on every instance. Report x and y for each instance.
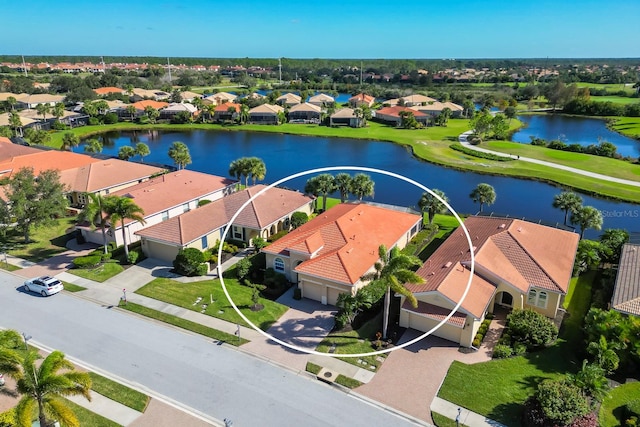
(8, 149)
(395, 111)
(351, 234)
(141, 105)
(43, 160)
(436, 313)
(173, 189)
(266, 108)
(321, 97)
(269, 207)
(417, 99)
(362, 97)
(626, 294)
(343, 113)
(521, 253)
(305, 107)
(103, 174)
(108, 90)
(289, 97)
(225, 107)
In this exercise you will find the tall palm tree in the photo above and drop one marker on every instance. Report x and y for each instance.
(484, 194)
(43, 389)
(320, 185)
(569, 202)
(126, 152)
(142, 150)
(179, 153)
(430, 204)
(93, 146)
(257, 168)
(11, 102)
(10, 340)
(58, 111)
(131, 110)
(122, 208)
(393, 269)
(15, 123)
(97, 213)
(239, 169)
(70, 140)
(43, 110)
(587, 217)
(362, 186)
(151, 113)
(342, 183)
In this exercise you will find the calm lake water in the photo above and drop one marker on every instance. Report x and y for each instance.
(212, 151)
(574, 130)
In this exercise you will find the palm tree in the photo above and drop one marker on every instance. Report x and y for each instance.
(142, 150)
(90, 108)
(11, 102)
(239, 169)
(101, 106)
(484, 194)
(430, 204)
(10, 340)
(97, 213)
(393, 270)
(151, 113)
(587, 217)
(320, 185)
(179, 153)
(257, 169)
(342, 183)
(126, 152)
(15, 123)
(43, 389)
(70, 140)
(131, 110)
(362, 186)
(58, 111)
(244, 113)
(568, 201)
(121, 208)
(93, 146)
(43, 110)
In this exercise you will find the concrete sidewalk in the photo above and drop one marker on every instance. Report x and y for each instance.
(108, 408)
(464, 416)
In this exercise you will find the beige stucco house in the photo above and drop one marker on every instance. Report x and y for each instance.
(328, 255)
(201, 228)
(518, 264)
(626, 293)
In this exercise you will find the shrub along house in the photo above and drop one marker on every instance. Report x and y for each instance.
(518, 264)
(201, 228)
(164, 197)
(328, 255)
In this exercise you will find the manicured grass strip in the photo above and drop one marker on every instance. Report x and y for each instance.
(45, 241)
(184, 324)
(313, 368)
(118, 392)
(613, 404)
(70, 287)
(185, 295)
(347, 382)
(100, 273)
(355, 342)
(442, 421)
(88, 418)
(629, 126)
(9, 267)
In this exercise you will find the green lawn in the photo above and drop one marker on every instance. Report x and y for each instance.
(442, 421)
(629, 126)
(355, 342)
(70, 287)
(100, 273)
(9, 267)
(446, 224)
(511, 381)
(612, 406)
(184, 324)
(88, 418)
(185, 294)
(118, 392)
(611, 87)
(45, 241)
(624, 100)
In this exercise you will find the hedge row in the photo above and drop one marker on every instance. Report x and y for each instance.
(482, 155)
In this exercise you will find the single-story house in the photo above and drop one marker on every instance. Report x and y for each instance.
(345, 117)
(435, 108)
(154, 94)
(188, 96)
(164, 197)
(175, 108)
(5, 120)
(140, 106)
(360, 99)
(289, 100)
(201, 228)
(32, 101)
(40, 160)
(391, 115)
(322, 100)
(219, 98)
(329, 255)
(265, 114)
(222, 112)
(518, 265)
(416, 99)
(626, 294)
(70, 118)
(104, 91)
(305, 113)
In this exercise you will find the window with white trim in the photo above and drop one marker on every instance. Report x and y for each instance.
(537, 298)
(237, 232)
(205, 242)
(278, 264)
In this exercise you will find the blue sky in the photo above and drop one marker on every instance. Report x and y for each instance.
(323, 28)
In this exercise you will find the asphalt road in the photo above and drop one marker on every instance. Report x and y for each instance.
(190, 370)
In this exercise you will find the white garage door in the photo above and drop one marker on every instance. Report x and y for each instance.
(333, 295)
(424, 324)
(313, 291)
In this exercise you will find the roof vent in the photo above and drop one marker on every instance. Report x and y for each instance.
(519, 229)
(448, 264)
(503, 226)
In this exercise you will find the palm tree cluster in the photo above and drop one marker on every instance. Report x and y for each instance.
(42, 386)
(179, 153)
(583, 216)
(361, 185)
(248, 167)
(432, 205)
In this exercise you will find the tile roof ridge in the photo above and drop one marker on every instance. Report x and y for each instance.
(181, 230)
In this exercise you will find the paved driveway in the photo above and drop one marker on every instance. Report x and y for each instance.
(305, 324)
(410, 378)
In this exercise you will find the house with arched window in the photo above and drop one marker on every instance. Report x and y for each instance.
(517, 265)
